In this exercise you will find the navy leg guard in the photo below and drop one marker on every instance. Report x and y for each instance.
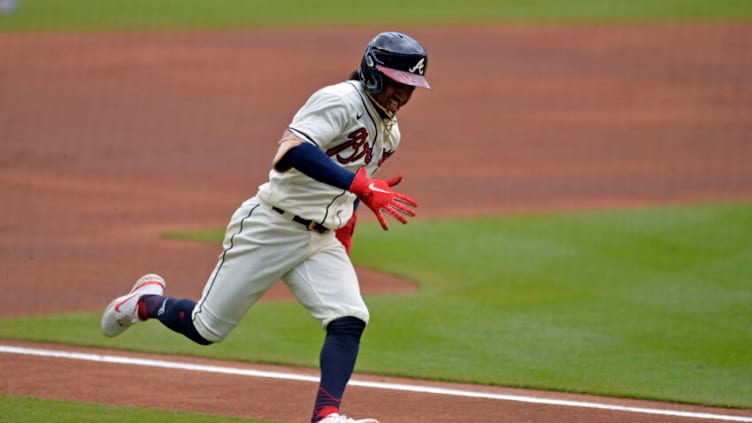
(337, 360)
(173, 313)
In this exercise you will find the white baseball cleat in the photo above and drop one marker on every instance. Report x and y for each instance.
(122, 312)
(336, 418)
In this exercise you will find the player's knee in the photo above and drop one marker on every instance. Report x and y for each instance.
(197, 338)
(210, 334)
(208, 337)
(349, 325)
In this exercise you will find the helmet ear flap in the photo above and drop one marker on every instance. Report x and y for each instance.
(369, 74)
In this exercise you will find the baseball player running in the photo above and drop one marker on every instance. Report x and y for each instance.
(298, 227)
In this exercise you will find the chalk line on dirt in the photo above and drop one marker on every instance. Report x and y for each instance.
(117, 359)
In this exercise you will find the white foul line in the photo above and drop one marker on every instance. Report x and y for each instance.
(106, 358)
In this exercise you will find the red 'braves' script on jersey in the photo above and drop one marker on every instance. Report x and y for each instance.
(358, 142)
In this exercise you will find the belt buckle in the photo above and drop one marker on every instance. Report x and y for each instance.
(312, 226)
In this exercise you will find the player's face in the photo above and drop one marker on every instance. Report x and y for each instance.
(394, 95)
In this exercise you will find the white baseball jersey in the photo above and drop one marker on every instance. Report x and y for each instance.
(262, 246)
(341, 121)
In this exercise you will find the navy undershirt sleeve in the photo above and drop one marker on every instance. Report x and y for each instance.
(314, 163)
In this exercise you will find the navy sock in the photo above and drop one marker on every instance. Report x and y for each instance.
(173, 313)
(337, 360)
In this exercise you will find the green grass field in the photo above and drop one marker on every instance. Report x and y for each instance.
(32, 410)
(51, 15)
(646, 303)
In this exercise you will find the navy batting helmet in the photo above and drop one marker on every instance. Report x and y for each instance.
(396, 55)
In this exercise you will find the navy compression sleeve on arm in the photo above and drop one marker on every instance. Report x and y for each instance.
(314, 163)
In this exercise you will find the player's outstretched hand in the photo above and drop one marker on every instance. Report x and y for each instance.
(378, 195)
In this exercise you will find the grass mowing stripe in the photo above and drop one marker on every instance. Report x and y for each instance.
(18, 409)
(40, 15)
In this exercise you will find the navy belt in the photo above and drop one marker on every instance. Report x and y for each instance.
(311, 225)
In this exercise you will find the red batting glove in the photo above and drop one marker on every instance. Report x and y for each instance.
(394, 181)
(378, 195)
(345, 233)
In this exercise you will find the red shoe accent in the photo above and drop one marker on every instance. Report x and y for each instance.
(142, 314)
(117, 306)
(327, 410)
(145, 283)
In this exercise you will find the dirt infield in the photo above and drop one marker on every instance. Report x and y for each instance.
(108, 140)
